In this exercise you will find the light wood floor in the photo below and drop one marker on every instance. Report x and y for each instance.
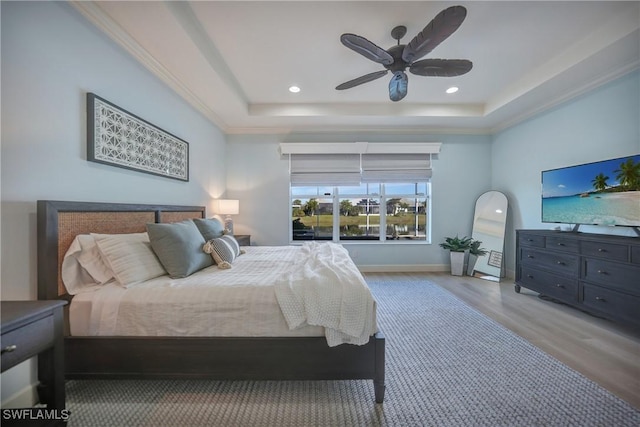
(603, 351)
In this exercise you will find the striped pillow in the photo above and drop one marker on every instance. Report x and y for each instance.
(233, 243)
(222, 252)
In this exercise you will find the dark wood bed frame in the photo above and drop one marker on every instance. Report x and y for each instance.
(223, 358)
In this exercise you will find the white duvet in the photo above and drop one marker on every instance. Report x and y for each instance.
(240, 301)
(324, 288)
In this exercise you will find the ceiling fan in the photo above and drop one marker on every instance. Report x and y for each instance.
(397, 58)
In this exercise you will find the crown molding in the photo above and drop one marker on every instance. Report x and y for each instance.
(92, 12)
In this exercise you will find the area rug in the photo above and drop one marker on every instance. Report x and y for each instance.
(447, 365)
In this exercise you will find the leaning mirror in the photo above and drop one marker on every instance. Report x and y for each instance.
(489, 222)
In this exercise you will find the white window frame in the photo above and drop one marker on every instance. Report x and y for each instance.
(335, 196)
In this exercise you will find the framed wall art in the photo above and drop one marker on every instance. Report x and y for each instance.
(118, 138)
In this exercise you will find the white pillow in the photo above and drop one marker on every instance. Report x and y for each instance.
(91, 259)
(75, 277)
(129, 256)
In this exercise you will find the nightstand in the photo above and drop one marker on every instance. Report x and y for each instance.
(243, 239)
(31, 328)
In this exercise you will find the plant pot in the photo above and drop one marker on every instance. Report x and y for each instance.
(457, 263)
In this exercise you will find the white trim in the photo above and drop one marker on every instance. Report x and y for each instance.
(403, 148)
(104, 22)
(25, 398)
(322, 147)
(360, 147)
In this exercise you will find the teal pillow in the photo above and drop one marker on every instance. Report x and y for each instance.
(178, 246)
(209, 228)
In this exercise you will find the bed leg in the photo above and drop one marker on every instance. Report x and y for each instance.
(378, 381)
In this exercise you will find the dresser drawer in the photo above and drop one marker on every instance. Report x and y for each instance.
(553, 261)
(605, 250)
(562, 244)
(559, 287)
(635, 254)
(534, 240)
(26, 341)
(616, 304)
(623, 277)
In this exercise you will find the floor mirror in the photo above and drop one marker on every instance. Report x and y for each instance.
(489, 222)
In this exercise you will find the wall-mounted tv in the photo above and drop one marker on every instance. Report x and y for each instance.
(599, 193)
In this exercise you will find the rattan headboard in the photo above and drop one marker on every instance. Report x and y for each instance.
(60, 222)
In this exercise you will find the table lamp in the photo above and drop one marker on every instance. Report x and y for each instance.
(227, 207)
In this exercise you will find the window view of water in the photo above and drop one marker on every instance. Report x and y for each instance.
(362, 232)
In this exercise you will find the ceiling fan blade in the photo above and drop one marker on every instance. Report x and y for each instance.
(441, 67)
(366, 48)
(441, 27)
(398, 86)
(362, 79)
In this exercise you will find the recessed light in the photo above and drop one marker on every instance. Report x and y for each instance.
(452, 89)
(294, 89)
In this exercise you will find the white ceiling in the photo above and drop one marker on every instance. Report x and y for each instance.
(234, 60)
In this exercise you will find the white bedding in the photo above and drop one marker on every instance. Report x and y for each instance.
(240, 301)
(325, 288)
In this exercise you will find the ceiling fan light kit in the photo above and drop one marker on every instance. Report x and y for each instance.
(400, 57)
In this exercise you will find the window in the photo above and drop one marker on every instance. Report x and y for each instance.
(360, 191)
(360, 212)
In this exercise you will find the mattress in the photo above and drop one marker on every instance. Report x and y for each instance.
(240, 301)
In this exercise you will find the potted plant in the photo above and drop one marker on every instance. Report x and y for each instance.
(475, 251)
(458, 249)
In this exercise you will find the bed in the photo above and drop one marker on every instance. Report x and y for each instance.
(227, 357)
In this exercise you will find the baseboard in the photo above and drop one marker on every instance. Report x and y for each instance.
(410, 268)
(25, 398)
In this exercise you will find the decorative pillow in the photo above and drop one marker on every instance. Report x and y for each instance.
(233, 243)
(179, 247)
(209, 228)
(221, 251)
(129, 256)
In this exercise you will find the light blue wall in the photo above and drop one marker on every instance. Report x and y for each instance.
(51, 56)
(602, 124)
(258, 177)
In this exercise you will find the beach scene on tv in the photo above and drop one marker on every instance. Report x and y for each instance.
(602, 193)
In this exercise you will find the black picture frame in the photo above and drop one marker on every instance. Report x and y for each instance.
(119, 138)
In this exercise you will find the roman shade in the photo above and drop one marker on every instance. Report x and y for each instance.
(355, 163)
(396, 167)
(324, 169)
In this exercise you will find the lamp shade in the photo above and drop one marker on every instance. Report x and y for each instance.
(226, 206)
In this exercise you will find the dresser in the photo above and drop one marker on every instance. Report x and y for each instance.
(31, 328)
(596, 273)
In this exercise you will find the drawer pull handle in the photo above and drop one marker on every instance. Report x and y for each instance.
(529, 240)
(602, 250)
(529, 276)
(560, 244)
(600, 299)
(529, 256)
(559, 285)
(602, 272)
(559, 262)
(9, 349)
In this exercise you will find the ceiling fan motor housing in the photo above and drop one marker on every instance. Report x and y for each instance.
(398, 63)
